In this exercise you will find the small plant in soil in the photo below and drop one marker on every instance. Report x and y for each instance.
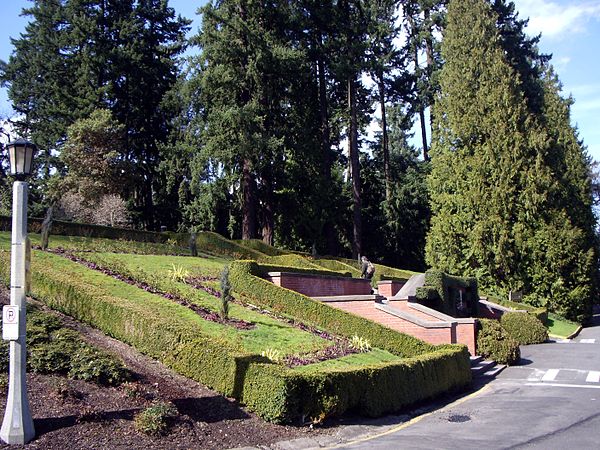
(178, 273)
(156, 419)
(225, 293)
(360, 344)
(271, 354)
(63, 390)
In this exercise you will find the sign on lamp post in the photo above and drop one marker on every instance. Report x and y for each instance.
(17, 426)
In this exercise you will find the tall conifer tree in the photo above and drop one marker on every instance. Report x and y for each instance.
(494, 190)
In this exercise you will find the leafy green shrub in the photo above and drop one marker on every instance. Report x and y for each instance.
(4, 356)
(53, 356)
(495, 343)
(90, 364)
(155, 420)
(524, 328)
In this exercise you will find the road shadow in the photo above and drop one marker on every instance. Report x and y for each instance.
(524, 362)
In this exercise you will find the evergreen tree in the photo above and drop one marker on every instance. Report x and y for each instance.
(497, 212)
(80, 55)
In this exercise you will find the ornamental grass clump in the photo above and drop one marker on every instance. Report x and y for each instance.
(524, 328)
(178, 273)
(271, 354)
(360, 344)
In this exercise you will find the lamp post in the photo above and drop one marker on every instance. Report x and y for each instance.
(17, 426)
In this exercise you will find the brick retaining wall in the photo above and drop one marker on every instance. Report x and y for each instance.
(320, 285)
(389, 288)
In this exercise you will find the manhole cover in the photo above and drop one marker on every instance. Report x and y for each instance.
(458, 418)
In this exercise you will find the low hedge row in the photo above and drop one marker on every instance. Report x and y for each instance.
(495, 343)
(540, 313)
(338, 266)
(266, 268)
(381, 272)
(524, 328)
(214, 243)
(258, 245)
(63, 228)
(158, 328)
(245, 279)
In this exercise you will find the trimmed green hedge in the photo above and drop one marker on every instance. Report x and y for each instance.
(290, 260)
(524, 328)
(258, 245)
(210, 242)
(338, 266)
(540, 313)
(266, 268)
(245, 279)
(495, 343)
(443, 292)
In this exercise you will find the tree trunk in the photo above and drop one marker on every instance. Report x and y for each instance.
(148, 203)
(420, 105)
(267, 212)
(430, 61)
(354, 169)
(328, 226)
(385, 141)
(248, 202)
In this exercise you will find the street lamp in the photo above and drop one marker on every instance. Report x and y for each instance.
(17, 426)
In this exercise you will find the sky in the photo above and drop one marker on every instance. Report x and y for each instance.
(570, 32)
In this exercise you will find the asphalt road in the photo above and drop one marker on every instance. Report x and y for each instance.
(550, 401)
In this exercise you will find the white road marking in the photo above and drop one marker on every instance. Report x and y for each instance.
(593, 377)
(550, 375)
(587, 341)
(536, 375)
(585, 386)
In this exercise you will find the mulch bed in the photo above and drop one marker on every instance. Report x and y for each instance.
(74, 414)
